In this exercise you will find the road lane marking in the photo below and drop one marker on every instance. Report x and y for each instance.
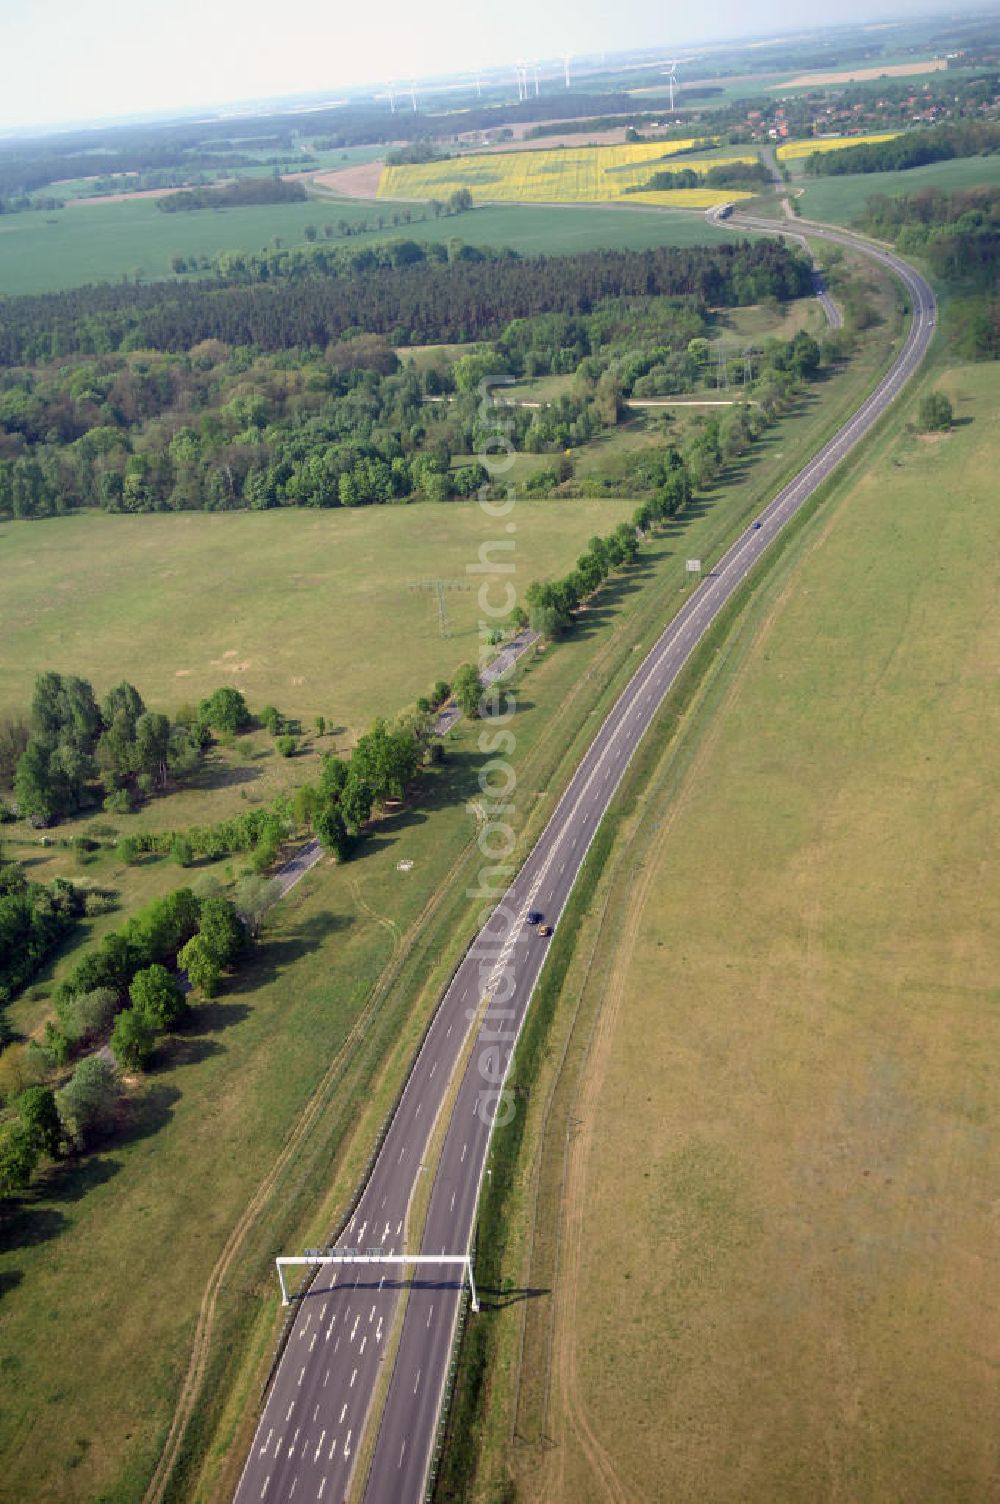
(429, 1315)
(267, 1481)
(361, 1344)
(289, 1415)
(267, 1443)
(402, 1449)
(416, 1381)
(319, 1446)
(353, 1377)
(300, 1375)
(371, 1314)
(326, 1378)
(342, 1414)
(321, 1488)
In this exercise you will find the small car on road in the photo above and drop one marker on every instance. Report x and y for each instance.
(545, 930)
(534, 918)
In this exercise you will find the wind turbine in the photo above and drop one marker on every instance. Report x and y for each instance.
(567, 59)
(534, 67)
(521, 68)
(413, 95)
(392, 96)
(671, 81)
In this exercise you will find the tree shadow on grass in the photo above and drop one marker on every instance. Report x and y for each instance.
(181, 1050)
(9, 1280)
(276, 953)
(492, 1299)
(28, 1226)
(216, 773)
(71, 1179)
(212, 1016)
(146, 1113)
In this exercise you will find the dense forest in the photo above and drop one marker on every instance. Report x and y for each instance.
(349, 424)
(940, 143)
(958, 234)
(405, 291)
(264, 190)
(746, 175)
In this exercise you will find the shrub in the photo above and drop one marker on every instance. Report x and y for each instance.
(18, 1157)
(225, 710)
(87, 1015)
(203, 970)
(182, 851)
(468, 689)
(936, 413)
(132, 1040)
(158, 996)
(87, 1103)
(287, 745)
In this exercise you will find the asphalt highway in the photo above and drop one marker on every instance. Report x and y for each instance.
(307, 1442)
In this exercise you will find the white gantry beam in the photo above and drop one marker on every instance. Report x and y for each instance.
(346, 1256)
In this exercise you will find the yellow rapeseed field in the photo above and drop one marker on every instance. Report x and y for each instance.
(789, 151)
(577, 175)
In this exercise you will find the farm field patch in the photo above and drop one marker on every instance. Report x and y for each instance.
(301, 609)
(105, 241)
(861, 75)
(791, 151)
(841, 200)
(581, 175)
(795, 995)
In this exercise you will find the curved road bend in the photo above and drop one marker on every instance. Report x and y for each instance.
(307, 1441)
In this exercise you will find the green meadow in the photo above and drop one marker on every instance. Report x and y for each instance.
(105, 242)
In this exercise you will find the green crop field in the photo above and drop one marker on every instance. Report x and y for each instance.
(773, 1202)
(307, 610)
(840, 200)
(106, 241)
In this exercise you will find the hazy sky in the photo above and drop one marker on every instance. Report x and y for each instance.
(90, 59)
